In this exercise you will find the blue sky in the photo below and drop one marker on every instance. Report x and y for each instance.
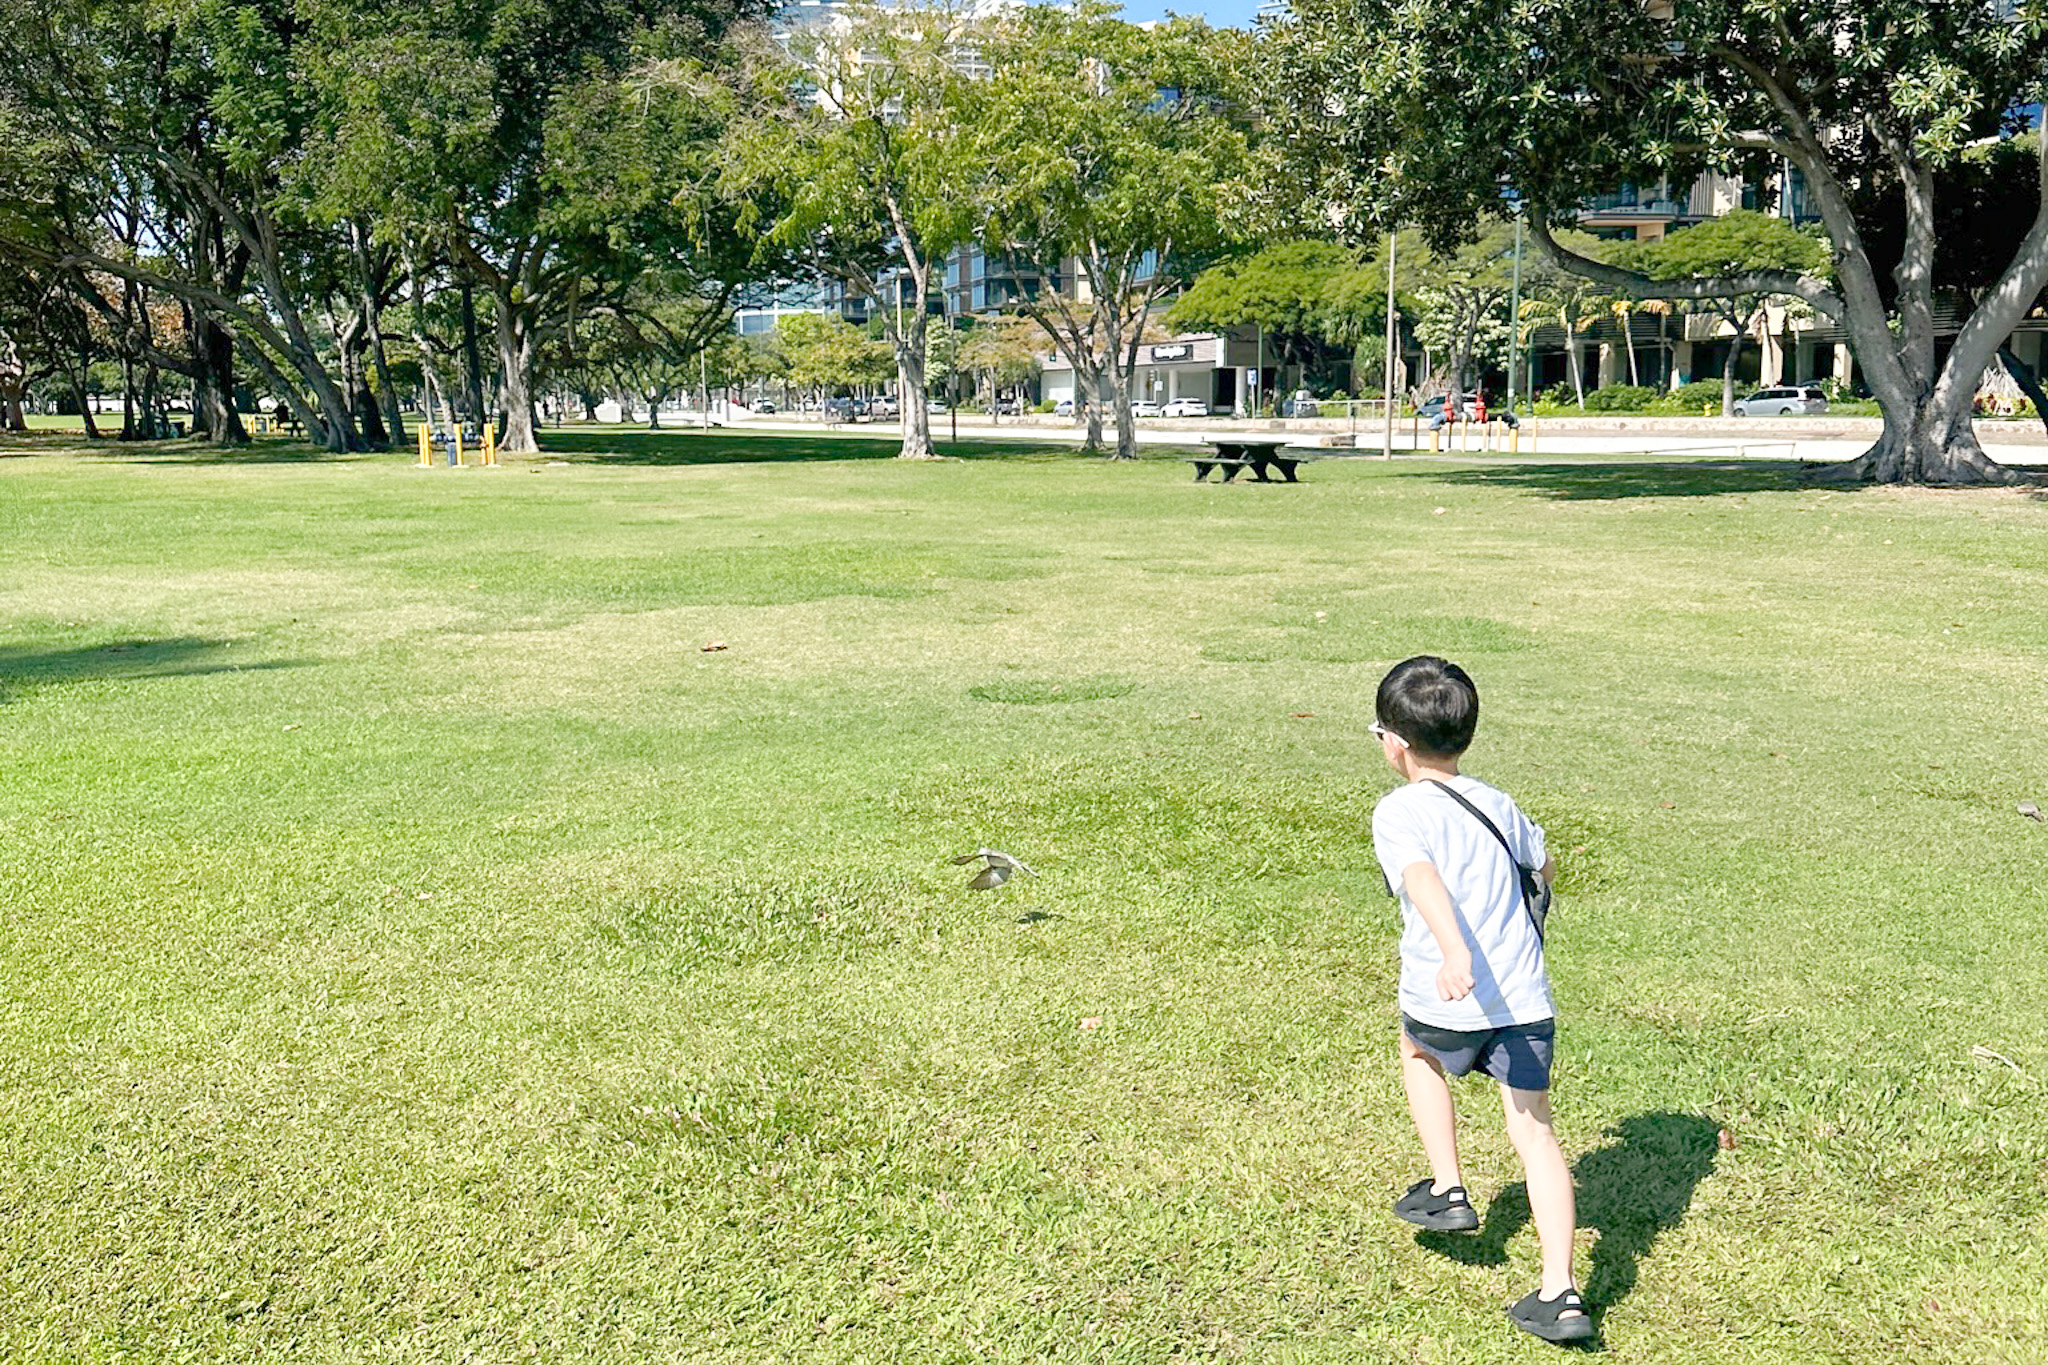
(1222, 13)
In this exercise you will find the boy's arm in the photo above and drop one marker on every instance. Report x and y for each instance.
(1432, 900)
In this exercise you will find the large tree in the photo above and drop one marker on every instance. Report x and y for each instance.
(1104, 147)
(1423, 110)
(861, 139)
(547, 153)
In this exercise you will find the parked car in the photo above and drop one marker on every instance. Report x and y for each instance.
(764, 407)
(1802, 401)
(1434, 408)
(1063, 408)
(884, 407)
(845, 410)
(1187, 407)
(1146, 408)
(1008, 407)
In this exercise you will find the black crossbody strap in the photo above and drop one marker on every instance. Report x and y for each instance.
(1494, 830)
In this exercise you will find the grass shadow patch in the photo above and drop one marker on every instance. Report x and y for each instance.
(1352, 634)
(734, 919)
(722, 446)
(1611, 482)
(26, 670)
(1052, 691)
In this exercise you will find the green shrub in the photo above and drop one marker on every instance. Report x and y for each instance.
(1621, 398)
(1046, 406)
(1702, 397)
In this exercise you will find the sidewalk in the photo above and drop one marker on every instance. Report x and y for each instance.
(1762, 438)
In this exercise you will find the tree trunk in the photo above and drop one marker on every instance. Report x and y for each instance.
(909, 335)
(1126, 425)
(1088, 398)
(79, 386)
(1728, 373)
(472, 353)
(911, 399)
(1925, 441)
(515, 359)
(213, 390)
(13, 381)
(1575, 362)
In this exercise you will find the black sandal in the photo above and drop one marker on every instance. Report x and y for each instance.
(1450, 1211)
(1546, 1318)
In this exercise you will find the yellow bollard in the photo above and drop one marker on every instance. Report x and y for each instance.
(490, 444)
(458, 447)
(1436, 436)
(426, 447)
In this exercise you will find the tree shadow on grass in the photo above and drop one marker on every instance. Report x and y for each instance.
(723, 446)
(27, 670)
(1638, 479)
(1629, 1191)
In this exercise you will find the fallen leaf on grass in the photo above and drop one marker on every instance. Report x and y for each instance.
(1093, 1021)
(714, 646)
(1301, 715)
(1726, 1140)
(1668, 805)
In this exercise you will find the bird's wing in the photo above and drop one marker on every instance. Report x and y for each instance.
(966, 858)
(991, 877)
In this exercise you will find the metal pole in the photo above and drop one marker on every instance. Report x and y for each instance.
(1387, 448)
(703, 388)
(1515, 314)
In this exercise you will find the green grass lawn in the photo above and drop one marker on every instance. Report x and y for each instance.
(420, 945)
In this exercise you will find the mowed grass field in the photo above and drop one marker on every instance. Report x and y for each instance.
(421, 944)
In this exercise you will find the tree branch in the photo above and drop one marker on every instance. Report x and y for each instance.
(1640, 286)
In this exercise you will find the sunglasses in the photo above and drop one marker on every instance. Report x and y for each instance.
(1382, 732)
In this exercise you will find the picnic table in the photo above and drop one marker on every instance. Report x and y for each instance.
(1234, 454)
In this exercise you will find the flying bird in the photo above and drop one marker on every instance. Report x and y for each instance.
(997, 867)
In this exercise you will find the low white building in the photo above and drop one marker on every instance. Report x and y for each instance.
(1221, 370)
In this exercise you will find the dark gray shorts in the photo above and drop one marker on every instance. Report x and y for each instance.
(1518, 1055)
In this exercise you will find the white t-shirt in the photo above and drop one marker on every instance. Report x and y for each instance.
(1417, 823)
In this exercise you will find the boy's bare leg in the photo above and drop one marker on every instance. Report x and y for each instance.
(1551, 1202)
(1436, 1117)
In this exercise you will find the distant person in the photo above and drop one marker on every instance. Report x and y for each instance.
(1474, 992)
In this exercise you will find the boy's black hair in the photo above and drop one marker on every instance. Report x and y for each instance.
(1431, 703)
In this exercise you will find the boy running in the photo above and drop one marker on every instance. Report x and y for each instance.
(1474, 993)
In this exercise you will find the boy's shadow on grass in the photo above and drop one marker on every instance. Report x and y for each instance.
(1630, 1191)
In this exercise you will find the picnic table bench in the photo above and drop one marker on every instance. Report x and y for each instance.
(1233, 454)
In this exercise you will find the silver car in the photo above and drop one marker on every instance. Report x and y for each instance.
(1801, 401)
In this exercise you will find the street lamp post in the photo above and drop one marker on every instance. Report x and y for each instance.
(1387, 448)
(1515, 312)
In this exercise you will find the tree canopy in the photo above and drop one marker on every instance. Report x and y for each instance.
(1873, 103)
